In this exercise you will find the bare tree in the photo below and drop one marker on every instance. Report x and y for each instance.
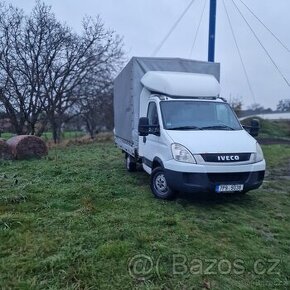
(12, 83)
(284, 105)
(96, 105)
(237, 105)
(92, 53)
(28, 47)
(257, 108)
(43, 65)
(97, 110)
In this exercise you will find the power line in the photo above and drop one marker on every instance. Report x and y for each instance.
(197, 30)
(172, 29)
(266, 27)
(264, 48)
(240, 54)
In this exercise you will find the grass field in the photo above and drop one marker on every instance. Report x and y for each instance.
(272, 128)
(77, 220)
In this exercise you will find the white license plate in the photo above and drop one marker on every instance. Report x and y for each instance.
(229, 187)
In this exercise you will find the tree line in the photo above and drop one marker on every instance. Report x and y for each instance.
(50, 74)
(256, 108)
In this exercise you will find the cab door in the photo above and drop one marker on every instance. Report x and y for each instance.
(150, 145)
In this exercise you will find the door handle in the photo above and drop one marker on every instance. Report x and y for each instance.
(144, 139)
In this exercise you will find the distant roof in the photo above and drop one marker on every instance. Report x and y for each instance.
(270, 116)
(181, 84)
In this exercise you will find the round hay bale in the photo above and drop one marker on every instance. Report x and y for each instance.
(5, 151)
(27, 146)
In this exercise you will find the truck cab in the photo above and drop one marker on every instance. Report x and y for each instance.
(190, 140)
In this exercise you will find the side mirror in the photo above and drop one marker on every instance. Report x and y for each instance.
(143, 126)
(255, 127)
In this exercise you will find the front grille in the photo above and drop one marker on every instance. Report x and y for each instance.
(228, 157)
(228, 177)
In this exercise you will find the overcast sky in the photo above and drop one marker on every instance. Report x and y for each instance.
(144, 23)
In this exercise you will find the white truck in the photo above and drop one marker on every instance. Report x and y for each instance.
(169, 118)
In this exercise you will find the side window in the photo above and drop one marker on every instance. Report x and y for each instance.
(152, 114)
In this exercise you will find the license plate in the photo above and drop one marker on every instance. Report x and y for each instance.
(229, 187)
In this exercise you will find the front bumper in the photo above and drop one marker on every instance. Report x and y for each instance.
(193, 178)
(207, 182)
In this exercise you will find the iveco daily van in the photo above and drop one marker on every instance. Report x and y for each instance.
(169, 117)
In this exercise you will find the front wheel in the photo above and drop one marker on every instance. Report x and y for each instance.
(159, 185)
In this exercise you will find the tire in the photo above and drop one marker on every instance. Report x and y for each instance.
(159, 186)
(130, 163)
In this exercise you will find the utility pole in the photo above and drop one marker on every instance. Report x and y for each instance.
(211, 35)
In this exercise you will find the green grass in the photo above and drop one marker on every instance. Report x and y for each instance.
(75, 219)
(65, 135)
(275, 129)
(272, 128)
(6, 135)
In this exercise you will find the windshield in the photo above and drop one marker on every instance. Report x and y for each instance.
(198, 115)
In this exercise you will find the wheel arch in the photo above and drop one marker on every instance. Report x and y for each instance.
(157, 162)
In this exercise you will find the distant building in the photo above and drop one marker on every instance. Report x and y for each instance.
(270, 116)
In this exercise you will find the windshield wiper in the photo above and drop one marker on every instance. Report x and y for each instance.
(218, 127)
(185, 128)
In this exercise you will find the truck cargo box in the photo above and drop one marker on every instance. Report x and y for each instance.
(128, 87)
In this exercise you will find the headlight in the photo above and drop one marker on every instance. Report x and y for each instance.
(180, 153)
(259, 156)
